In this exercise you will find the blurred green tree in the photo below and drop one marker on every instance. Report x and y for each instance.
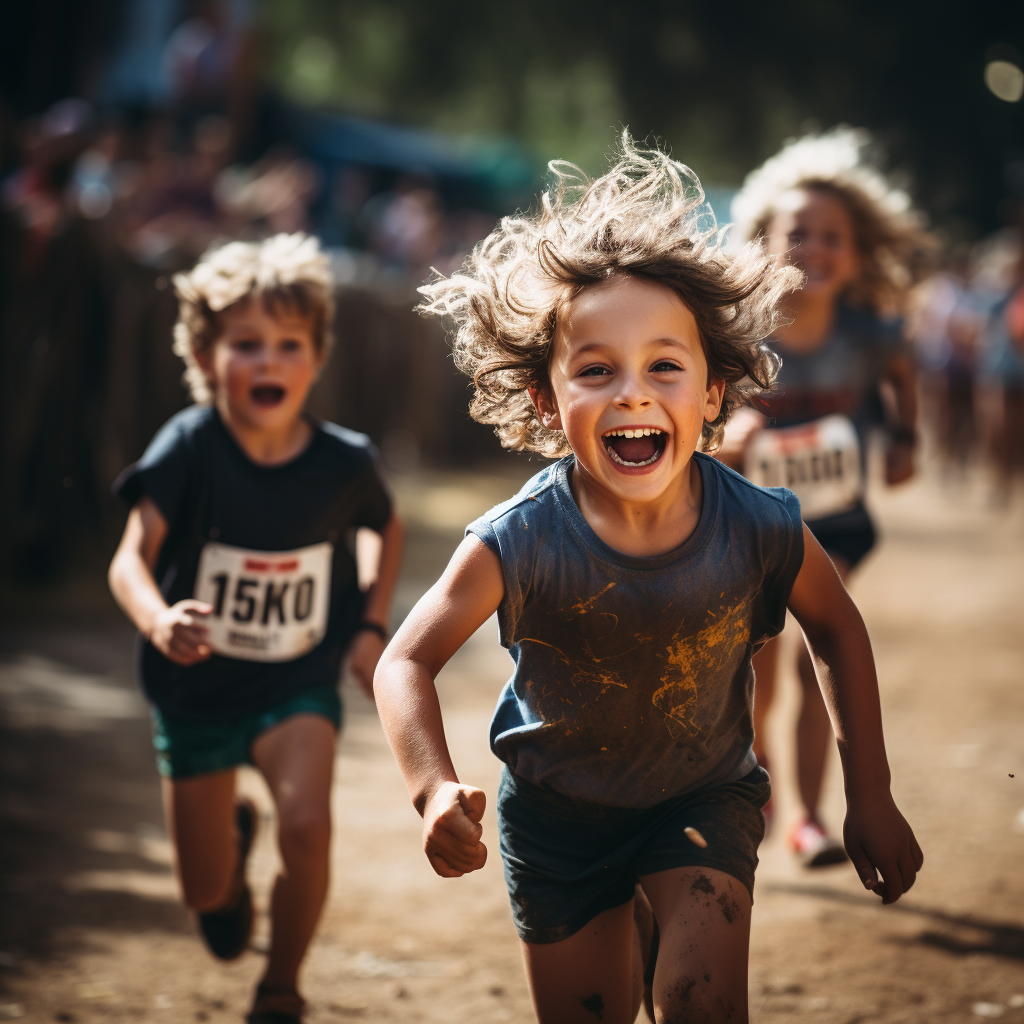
(723, 84)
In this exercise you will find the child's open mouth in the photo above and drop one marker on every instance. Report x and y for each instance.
(635, 446)
(268, 395)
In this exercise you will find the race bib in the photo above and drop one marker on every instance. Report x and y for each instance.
(819, 462)
(267, 605)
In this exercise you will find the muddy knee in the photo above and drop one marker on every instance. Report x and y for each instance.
(697, 999)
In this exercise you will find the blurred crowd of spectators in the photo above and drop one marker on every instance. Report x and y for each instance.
(97, 210)
(163, 191)
(967, 326)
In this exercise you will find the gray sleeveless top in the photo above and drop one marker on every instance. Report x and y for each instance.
(632, 679)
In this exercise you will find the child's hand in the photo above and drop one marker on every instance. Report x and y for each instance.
(452, 830)
(878, 837)
(364, 653)
(179, 634)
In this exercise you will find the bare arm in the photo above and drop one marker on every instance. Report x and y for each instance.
(442, 621)
(378, 599)
(876, 834)
(902, 393)
(367, 646)
(178, 631)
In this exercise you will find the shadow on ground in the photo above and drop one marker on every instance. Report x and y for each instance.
(961, 934)
(81, 837)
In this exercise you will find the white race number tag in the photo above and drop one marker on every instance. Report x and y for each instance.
(818, 461)
(267, 605)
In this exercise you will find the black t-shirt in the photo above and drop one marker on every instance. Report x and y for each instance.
(270, 547)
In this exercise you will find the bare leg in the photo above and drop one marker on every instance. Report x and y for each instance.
(297, 760)
(813, 729)
(766, 663)
(645, 941)
(200, 816)
(592, 977)
(704, 919)
(813, 735)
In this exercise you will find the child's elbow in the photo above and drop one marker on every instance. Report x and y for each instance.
(380, 674)
(114, 573)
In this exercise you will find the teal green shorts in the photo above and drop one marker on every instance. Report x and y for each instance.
(184, 748)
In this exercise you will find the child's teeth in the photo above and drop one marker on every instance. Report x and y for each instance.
(623, 462)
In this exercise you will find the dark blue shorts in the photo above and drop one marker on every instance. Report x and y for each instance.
(567, 860)
(850, 535)
(184, 748)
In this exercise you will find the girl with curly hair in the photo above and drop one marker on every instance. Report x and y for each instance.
(633, 579)
(821, 205)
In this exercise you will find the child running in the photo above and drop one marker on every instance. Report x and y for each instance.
(820, 206)
(236, 566)
(633, 580)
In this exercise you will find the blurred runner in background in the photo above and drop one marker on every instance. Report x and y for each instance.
(237, 567)
(945, 324)
(1002, 374)
(821, 205)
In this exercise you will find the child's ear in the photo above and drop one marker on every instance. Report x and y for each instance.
(320, 361)
(716, 394)
(204, 359)
(547, 410)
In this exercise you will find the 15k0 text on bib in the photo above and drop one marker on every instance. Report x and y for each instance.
(267, 605)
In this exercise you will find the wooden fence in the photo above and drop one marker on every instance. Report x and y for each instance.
(87, 376)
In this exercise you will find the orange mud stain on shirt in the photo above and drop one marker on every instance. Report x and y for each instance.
(582, 607)
(690, 658)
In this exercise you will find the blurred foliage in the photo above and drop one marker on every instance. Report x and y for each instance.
(722, 84)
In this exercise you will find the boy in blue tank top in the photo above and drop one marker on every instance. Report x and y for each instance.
(633, 581)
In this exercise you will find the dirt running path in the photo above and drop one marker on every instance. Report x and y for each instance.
(90, 929)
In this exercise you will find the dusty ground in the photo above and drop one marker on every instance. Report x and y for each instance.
(89, 926)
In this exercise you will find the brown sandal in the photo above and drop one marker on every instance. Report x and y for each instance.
(276, 1006)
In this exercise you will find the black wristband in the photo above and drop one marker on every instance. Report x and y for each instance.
(903, 435)
(373, 627)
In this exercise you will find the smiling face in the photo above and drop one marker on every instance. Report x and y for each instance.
(261, 367)
(629, 387)
(813, 230)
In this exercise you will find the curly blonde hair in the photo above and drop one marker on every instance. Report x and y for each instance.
(893, 245)
(645, 218)
(284, 272)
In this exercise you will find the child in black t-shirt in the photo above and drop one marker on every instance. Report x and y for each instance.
(236, 565)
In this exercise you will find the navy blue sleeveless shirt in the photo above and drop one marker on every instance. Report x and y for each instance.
(632, 680)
